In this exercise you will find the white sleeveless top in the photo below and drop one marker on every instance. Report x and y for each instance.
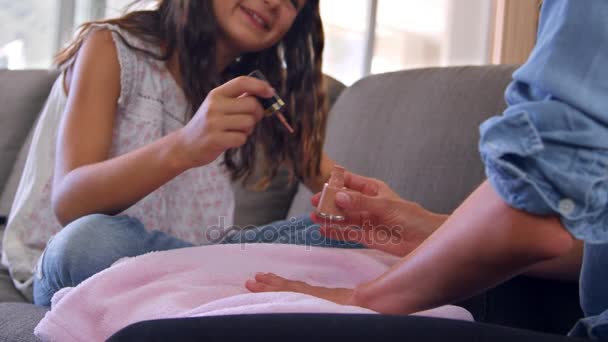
(150, 106)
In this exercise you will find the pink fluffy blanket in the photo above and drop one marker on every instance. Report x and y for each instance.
(209, 281)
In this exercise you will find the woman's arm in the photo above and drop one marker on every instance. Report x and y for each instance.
(482, 244)
(566, 267)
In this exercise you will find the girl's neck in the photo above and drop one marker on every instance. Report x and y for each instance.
(225, 54)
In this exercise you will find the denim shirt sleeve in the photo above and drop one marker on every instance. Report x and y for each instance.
(548, 153)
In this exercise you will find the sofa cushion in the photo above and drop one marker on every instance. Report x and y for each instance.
(8, 293)
(255, 208)
(22, 95)
(417, 130)
(10, 189)
(18, 320)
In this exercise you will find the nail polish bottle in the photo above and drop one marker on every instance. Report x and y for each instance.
(327, 207)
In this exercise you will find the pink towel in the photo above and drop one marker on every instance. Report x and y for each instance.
(209, 281)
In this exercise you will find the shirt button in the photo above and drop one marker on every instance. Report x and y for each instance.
(566, 207)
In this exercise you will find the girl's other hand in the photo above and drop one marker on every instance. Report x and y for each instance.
(225, 120)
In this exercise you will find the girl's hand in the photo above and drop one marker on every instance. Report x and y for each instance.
(268, 282)
(225, 120)
(378, 218)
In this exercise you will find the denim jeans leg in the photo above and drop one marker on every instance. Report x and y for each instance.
(88, 246)
(593, 295)
(594, 280)
(296, 230)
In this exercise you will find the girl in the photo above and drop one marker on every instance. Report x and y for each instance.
(149, 118)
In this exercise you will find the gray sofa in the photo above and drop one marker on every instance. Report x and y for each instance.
(417, 130)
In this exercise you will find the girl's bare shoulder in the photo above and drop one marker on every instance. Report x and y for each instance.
(97, 61)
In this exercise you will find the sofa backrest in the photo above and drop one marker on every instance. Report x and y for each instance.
(416, 130)
(22, 96)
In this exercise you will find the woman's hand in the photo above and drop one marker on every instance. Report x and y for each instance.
(378, 218)
(225, 120)
(268, 282)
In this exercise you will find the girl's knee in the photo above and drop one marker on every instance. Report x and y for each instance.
(94, 230)
(93, 237)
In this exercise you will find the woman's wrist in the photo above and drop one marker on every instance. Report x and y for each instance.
(436, 220)
(358, 297)
(429, 220)
(372, 296)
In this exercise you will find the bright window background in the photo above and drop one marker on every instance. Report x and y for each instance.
(406, 34)
(409, 34)
(403, 34)
(27, 37)
(345, 24)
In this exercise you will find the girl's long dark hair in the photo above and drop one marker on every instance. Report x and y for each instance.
(293, 68)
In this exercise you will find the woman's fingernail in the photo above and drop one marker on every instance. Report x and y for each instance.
(343, 198)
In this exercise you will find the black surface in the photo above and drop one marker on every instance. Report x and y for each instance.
(324, 327)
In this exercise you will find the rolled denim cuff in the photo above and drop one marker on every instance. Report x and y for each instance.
(594, 327)
(547, 176)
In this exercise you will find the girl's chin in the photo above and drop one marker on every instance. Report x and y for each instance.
(248, 45)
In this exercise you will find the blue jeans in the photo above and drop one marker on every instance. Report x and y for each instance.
(93, 243)
(593, 294)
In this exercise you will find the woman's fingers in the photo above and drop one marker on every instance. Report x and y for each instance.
(364, 185)
(343, 233)
(268, 282)
(381, 238)
(314, 200)
(353, 218)
(355, 201)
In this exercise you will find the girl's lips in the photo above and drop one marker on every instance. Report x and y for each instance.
(256, 18)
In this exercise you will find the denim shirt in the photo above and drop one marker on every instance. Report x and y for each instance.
(548, 153)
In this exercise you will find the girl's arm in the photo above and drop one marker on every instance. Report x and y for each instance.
(316, 184)
(87, 182)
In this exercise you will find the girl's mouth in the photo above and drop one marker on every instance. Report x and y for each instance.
(256, 19)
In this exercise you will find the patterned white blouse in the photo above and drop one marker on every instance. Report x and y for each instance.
(150, 106)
